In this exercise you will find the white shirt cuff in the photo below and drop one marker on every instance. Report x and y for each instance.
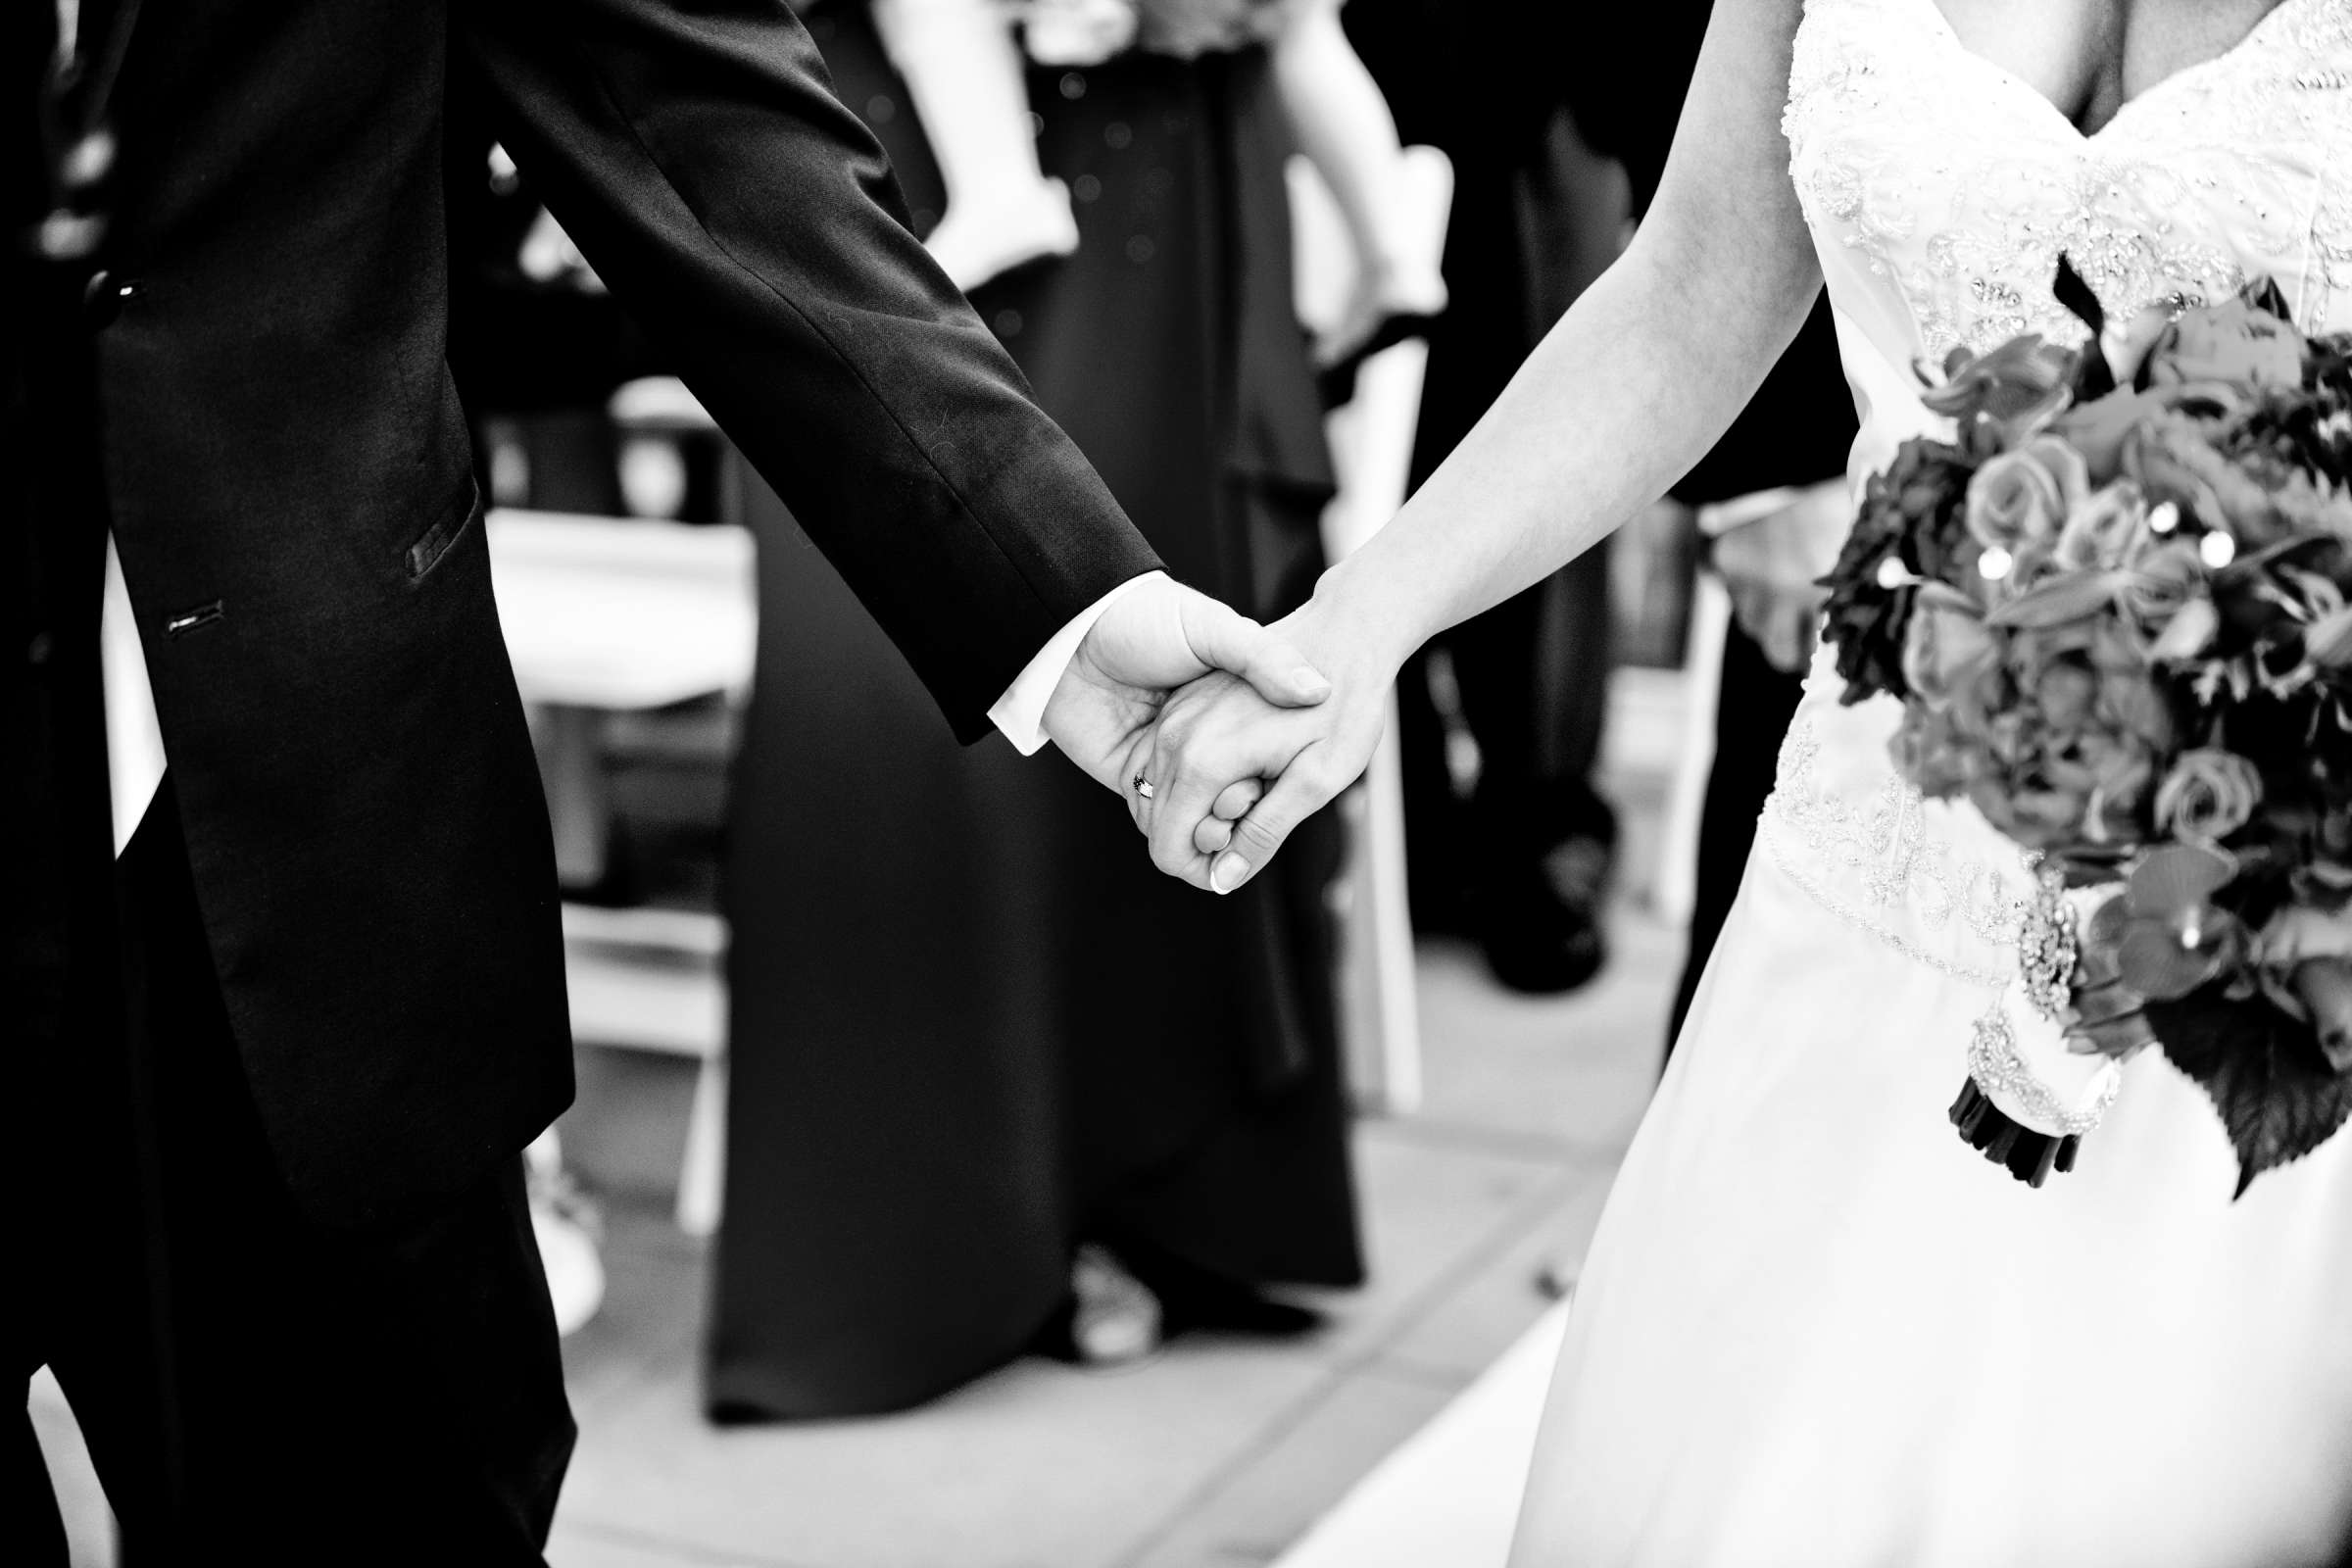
(135, 736)
(1021, 712)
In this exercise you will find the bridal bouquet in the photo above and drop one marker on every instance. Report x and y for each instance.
(2119, 617)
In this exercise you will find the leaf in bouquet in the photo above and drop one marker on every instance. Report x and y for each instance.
(2056, 601)
(2264, 294)
(2094, 379)
(2088, 866)
(2108, 1019)
(2278, 1098)
(2080, 300)
(1944, 596)
(2251, 562)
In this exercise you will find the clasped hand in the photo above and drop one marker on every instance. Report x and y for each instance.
(1221, 735)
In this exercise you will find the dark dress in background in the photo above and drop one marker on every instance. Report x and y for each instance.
(1492, 86)
(971, 1025)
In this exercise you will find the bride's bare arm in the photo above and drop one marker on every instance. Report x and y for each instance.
(1625, 394)
(1638, 380)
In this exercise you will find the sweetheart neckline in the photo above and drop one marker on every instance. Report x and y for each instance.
(2087, 139)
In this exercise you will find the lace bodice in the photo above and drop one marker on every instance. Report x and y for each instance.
(1939, 182)
(1941, 191)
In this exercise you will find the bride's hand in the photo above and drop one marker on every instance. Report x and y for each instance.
(1233, 776)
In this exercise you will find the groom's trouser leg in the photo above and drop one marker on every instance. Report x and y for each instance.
(254, 1389)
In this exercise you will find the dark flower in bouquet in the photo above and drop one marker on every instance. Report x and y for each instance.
(1912, 528)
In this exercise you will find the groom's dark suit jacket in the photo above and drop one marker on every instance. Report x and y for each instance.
(283, 460)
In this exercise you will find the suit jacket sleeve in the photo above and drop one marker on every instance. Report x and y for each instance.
(703, 164)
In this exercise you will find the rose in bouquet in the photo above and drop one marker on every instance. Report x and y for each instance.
(2118, 613)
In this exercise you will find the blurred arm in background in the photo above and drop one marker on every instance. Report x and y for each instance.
(1345, 131)
(965, 76)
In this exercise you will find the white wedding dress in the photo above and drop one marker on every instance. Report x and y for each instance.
(1815, 1327)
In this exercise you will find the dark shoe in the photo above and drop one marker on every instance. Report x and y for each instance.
(1539, 945)
(1540, 923)
(1238, 1309)
(1195, 1298)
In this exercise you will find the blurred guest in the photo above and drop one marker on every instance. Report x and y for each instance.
(1775, 481)
(960, 68)
(1522, 864)
(963, 1119)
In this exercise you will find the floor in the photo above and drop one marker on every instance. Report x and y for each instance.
(1453, 1491)
(1219, 1454)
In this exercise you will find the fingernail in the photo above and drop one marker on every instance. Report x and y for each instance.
(1230, 872)
(1311, 682)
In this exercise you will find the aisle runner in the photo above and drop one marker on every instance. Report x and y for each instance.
(1451, 1493)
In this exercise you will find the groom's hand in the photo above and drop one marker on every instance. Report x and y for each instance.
(1155, 639)
(1233, 776)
